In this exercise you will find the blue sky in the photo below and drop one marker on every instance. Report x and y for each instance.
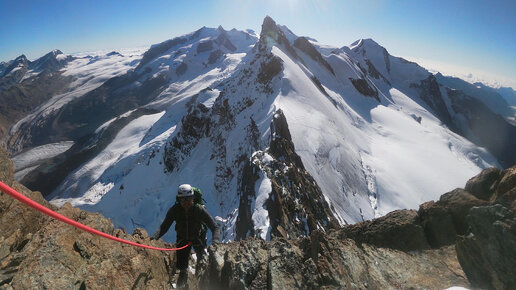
(455, 37)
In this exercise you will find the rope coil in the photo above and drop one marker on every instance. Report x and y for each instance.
(15, 194)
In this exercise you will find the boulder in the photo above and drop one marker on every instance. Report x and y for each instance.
(437, 224)
(488, 253)
(481, 186)
(399, 230)
(458, 202)
(506, 190)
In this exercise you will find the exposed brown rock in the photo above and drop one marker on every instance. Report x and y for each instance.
(325, 261)
(506, 190)
(399, 230)
(458, 203)
(487, 253)
(481, 186)
(438, 224)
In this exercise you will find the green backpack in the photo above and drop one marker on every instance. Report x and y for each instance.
(197, 196)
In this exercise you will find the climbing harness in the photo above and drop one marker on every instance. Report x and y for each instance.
(15, 194)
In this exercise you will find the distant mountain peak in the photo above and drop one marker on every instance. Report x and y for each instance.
(20, 58)
(272, 34)
(269, 29)
(51, 61)
(52, 54)
(366, 44)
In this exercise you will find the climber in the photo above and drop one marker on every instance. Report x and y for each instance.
(191, 218)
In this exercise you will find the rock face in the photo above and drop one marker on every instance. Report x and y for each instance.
(305, 46)
(326, 262)
(487, 252)
(399, 229)
(430, 93)
(37, 252)
(296, 205)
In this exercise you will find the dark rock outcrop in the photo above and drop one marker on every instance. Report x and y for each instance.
(444, 219)
(204, 46)
(181, 69)
(325, 261)
(430, 93)
(365, 88)
(224, 41)
(305, 46)
(488, 253)
(214, 56)
(194, 126)
(269, 69)
(271, 32)
(295, 205)
(438, 224)
(481, 186)
(399, 230)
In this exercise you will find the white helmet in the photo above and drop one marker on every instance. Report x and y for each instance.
(185, 190)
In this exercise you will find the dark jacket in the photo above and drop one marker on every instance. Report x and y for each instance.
(188, 225)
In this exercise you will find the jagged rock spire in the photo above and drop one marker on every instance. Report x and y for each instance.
(272, 35)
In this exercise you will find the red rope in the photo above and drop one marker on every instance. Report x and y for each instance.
(8, 190)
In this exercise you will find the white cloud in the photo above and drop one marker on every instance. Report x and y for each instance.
(468, 74)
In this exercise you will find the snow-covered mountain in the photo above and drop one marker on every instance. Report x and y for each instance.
(363, 133)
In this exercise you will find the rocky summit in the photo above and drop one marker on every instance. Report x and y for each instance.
(466, 238)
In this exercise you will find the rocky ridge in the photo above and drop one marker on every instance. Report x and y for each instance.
(404, 249)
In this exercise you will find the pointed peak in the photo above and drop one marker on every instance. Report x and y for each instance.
(20, 58)
(268, 25)
(197, 33)
(365, 43)
(52, 54)
(221, 29)
(270, 30)
(268, 20)
(272, 35)
(370, 41)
